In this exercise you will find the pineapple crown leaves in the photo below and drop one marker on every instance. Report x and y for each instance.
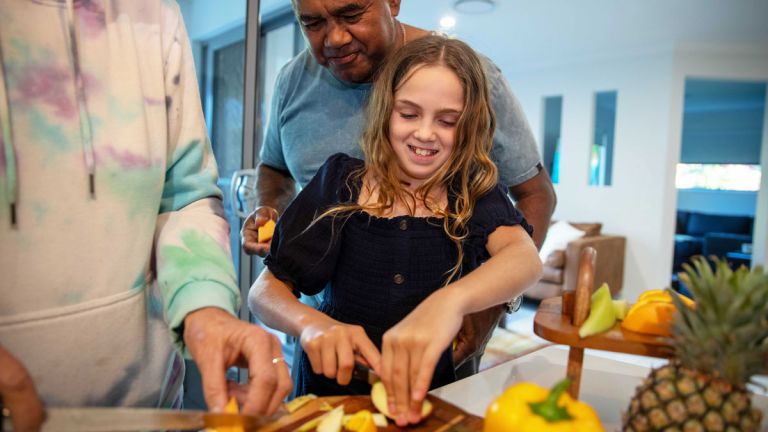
(726, 334)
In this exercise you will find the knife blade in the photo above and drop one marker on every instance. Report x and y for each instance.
(364, 373)
(141, 419)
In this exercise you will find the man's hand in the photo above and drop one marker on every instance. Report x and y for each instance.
(218, 340)
(19, 395)
(249, 234)
(475, 332)
(275, 189)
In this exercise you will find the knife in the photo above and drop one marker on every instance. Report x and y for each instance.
(140, 419)
(364, 373)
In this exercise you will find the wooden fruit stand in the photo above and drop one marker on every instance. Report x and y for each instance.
(558, 320)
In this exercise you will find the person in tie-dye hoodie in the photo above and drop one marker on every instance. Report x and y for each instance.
(113, 244)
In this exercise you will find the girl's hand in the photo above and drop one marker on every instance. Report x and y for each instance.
(410, 351)
(332, 346)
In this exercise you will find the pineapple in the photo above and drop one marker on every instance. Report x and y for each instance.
(718, 346)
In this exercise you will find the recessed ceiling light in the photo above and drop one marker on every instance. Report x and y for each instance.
(447, 22)
(474, 6)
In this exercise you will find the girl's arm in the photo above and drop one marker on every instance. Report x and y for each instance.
(411, 349)
(330, 345)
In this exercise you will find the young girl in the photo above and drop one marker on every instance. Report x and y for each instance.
(397, 241)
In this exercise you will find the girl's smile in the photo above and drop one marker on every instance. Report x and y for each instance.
(427, 107)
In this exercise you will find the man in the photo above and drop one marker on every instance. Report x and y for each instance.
(114, 251)
(317, 111)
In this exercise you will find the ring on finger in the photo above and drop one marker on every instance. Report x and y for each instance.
(277, 360)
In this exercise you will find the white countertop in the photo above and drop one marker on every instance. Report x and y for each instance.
(608, 382)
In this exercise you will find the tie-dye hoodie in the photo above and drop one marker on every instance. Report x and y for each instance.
(111, 224)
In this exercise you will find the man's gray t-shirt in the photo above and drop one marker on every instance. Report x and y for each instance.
(314, 115)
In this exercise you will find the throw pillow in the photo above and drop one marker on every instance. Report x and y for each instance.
(558, 237)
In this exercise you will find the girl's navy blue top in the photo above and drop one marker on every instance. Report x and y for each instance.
(374, 270)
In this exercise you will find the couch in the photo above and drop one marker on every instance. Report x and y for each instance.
(561, 265)
(708, 234)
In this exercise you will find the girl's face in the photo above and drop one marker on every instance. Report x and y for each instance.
(422, 128)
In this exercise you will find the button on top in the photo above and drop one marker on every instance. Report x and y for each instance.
(399, 279)
(403, 225)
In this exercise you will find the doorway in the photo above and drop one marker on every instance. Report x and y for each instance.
(719, 173)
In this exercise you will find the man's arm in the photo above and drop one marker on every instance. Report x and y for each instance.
(274, 188)
(536, 199)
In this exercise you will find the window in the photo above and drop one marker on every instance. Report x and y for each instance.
(735, 177)
(601, 150)
(553, 110)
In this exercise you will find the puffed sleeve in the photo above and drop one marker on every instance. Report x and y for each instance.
(306, 257)
(493, 210)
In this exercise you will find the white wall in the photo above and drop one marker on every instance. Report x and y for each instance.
(632, 205)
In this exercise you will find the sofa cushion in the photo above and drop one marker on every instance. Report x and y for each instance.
(558, 237)
(719, 244)
(681, 222)
(702, 223)
(685, 247)
(556, 259)
(552, 275)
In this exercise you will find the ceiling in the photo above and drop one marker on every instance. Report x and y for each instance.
(528, 33)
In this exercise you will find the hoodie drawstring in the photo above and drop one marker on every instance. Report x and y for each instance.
(82, 107)
(9, 152)
(86, 132)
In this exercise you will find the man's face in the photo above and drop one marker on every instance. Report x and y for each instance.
(350, 37)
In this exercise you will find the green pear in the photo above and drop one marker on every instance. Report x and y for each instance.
(602, 314)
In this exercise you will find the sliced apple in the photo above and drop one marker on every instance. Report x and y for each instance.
(296, 403)
(331, 421)
(379, 398)
(266, 231)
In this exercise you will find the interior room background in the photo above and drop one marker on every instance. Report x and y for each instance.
(644, 53)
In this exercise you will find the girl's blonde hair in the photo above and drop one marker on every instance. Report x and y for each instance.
(469, 172)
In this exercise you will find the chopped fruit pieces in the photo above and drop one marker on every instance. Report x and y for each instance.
(266, 231)
(653, 313)
(331, 421)
(299, 402)
(361, 421)
(230, 408)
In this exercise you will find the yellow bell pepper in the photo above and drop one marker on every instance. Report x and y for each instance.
(527, 407)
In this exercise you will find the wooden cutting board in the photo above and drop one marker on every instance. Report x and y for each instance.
(445, 417)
